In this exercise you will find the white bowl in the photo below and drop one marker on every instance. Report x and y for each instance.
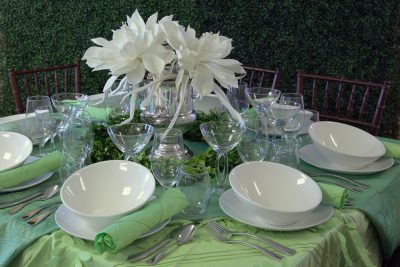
(15, 148)
(105, 191)
(284, 193)
(345, 145)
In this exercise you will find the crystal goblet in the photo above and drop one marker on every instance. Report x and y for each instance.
(130, 138)
(222, 136)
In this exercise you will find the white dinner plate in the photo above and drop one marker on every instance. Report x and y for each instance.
(76, 226)
(15, 148)
(312, 156)
(29, 183)
(246, 213)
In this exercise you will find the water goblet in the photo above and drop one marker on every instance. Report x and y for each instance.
(167, 156)
(130, 138)
(77, 141)
(50, 121)
(261, 98)
(222, 136)
(293, 127)
(237, 97)
(32, 126)
(254, 143)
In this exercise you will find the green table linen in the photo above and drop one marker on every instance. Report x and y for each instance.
(333, 195)
(127, 229)
(344, 240)
(13, 177)
(392, 148)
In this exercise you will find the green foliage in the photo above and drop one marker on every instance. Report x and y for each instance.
(352, 39)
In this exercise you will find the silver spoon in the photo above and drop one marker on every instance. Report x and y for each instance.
(47, 194)
(186, 235)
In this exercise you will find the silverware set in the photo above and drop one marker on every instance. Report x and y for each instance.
(339, 180)
(36, 215)
(225, 235)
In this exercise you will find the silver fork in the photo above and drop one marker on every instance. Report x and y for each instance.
(348, 187)
(356, 183)
(224, 231)
(225, 239)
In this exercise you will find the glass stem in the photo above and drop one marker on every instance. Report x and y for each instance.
(222, 168)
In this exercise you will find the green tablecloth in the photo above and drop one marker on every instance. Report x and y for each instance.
(347, 239)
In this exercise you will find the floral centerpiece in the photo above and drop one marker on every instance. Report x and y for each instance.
(141, 50)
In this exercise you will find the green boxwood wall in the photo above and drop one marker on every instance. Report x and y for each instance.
(352, 39)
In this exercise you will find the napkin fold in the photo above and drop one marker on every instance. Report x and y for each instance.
(392, 149)
(333, 195)
(50, 162)
(127, 229)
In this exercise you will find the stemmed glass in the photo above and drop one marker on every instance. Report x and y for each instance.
(130, 138)
(237, 97)
(32, 125)
(294, 126)
(261, 98)
(167, 156)
(222, 136)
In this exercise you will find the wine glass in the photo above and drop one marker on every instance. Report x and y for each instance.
(254, 143)
(50, 121)
(237, 97)
(167, 156)
(32, 126)
(64, 101)
(130, 138)
(261, 98)
(222, 136)
(294, 126)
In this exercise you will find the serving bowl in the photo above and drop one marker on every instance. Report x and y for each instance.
(15, 148)
(105, 191)
(345, 145)
(284, 194)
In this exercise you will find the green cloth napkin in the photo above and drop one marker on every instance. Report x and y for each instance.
(98, 113)
(392, 149)
(333, 195)
(127, 229)
(13, 177)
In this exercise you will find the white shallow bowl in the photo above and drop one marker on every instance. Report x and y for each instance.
(284, 193)
(15, 148)
(105, 191)
(345, 145)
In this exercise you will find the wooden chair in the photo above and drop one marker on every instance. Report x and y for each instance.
(357, 103)
(44, 81)
(261, 77)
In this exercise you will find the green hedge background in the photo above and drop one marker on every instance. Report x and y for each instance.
(351, 39)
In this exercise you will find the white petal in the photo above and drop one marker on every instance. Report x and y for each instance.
(136, 22)
(100, 41)
(203, 81)
(151, 21)
(153, 63)
(128, 50)
(137, 75)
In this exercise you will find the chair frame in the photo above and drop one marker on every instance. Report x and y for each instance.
(47, 71)
(373, 125)
(252, 71)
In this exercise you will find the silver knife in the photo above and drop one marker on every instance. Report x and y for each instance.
(18, 201)
(149, 251)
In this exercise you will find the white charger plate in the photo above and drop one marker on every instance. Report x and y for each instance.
(311, 155)
(78, 227)
(29, 183)
(246, 213)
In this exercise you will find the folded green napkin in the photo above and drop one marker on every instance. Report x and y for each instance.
(98, 113)
(333, 195)
(13, 177)
(127, 229)
(392, 149)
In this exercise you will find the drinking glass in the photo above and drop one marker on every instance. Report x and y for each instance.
(50, 121)
(281, 152)
(78, 138)
(130, 138)
(64, 101)
(167, 156)
(32, 126)
(254, 143)
(237, 97)
(293, 127)
(195, 184)
(261, 98)
(222, 136)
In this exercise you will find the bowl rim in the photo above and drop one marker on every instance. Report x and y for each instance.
(153, 185)
(380, 151)
(28, 151)
(266, 163)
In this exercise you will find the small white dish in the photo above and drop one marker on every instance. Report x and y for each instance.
(282, 192)
(105, 191)
(15, 148)
(311, 155)
(29, 183)
(76, 226)
(345, 145)
(243, 212)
